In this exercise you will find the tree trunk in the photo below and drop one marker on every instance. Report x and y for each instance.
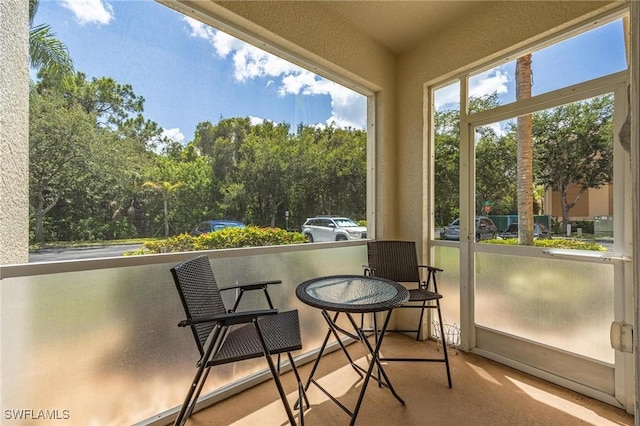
(565, 215)
(166, 217)
(525, 154)
(38, 215)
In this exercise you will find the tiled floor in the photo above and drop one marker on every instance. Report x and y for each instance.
(483, 393)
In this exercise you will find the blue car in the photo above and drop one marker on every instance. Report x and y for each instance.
(216, 225)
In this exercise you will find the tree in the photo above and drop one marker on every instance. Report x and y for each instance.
(493, 166)
(495, 172)
(116, 107)
(190, 203)
(58, 141)
(447, 169)
(94, 195)
(309, 174)
(346, 170)
(574, 146)
(265, 170)
(45, 51)
(525, 154)
(165, 189)
(328, 175)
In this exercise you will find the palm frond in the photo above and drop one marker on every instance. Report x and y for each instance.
(48, 53)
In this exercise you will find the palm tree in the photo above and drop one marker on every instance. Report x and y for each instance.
(525, 154)
(164, 188)
(47, 53)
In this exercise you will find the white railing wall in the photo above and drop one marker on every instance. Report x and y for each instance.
(97, 342)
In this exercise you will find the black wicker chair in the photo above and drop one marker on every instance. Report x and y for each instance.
(227, 336)
(398, 261)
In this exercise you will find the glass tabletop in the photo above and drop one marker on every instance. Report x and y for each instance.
(352, 293)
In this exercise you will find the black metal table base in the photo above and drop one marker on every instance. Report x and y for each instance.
(365, 375)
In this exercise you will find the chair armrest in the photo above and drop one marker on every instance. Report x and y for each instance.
(431, 268)
(258, 285)
(229, 318)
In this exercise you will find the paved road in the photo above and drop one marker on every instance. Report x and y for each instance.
(55, 254)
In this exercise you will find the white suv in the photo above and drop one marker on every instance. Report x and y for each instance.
(332, 228)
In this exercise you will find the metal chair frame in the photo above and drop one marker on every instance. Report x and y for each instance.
(398, 261)
(224, 337)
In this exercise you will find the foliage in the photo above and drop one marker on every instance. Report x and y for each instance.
(93, 154)
(560, 243)
(251, 236)
(83, 174)
(46, 52)
(166, 190)
(60, 142)
(495, 174)
(574, 146)
(447, 166)
(587, 226)
(258, 172)
(266, 153)
(495, 164)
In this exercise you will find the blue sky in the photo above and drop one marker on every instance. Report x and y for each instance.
(589, 55)
(189, 72)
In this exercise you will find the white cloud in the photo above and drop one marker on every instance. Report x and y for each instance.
(448, 95)
(90, 11)
(349, 109)
(488, 82)
(498, 129)
(250, 62)
(255, 120)
(173, 134)
(198, 29)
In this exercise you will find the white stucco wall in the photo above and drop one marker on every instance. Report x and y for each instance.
(14, 131)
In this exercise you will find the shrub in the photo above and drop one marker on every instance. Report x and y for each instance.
(251, 236)
(560, 243)
(585, 225)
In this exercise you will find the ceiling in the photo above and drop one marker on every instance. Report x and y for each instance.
(399, 25)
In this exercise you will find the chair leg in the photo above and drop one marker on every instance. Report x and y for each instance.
(200, 378)
(281, 392)
(424, 304)
(443, 337)
(302, 395)
(192, 396)
(274, 373)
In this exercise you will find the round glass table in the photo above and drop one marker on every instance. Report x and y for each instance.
(353, 294)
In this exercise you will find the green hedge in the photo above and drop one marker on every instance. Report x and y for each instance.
(251, 236)
(560, 243)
